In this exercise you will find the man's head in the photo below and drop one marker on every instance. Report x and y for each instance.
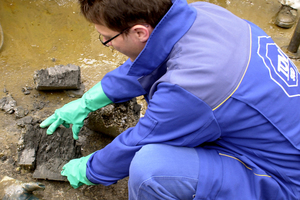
(125, 24)
(119, 15)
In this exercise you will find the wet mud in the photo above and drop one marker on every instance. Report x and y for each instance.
(41, 34)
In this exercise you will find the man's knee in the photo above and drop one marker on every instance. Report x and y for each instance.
(163, 160)
(160, 170)
(145, 163)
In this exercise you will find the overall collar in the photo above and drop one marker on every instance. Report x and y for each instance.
(176, 22)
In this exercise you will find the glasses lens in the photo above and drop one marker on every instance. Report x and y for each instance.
(101, 38)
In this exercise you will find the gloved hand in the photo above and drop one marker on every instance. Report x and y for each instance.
(76, 111)
(75, 171)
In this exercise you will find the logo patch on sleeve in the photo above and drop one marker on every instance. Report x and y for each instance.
(281, 69)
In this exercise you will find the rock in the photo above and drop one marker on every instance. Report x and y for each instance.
(8, 104)
(5, 90)
(113, 119)
(12, 189)
(3, 157)
(26, 91)
(20, 112)
(47, 154)
(39, 105)
(59, 77)
(24, 121)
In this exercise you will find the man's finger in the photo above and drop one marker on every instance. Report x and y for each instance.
(48, 121)
(75, 130)
(54, 126)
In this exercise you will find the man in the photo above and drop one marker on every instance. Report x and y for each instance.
(287, 15)
(223, 105)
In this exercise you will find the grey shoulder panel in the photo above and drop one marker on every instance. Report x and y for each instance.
(211, 59)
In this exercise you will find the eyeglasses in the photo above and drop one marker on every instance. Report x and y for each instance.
(101, 38)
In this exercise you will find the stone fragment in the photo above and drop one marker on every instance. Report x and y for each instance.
(113, 119)
(24, 121)
(8, 104)
(59, 77)
(39, 105)
(26, 90)
(47, 154)
(5, 90)
(20, 112)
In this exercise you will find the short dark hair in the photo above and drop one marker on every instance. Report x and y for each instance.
(119, 15)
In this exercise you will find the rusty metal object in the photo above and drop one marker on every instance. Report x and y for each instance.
(1, 37)
(295, 41)
(12, 189)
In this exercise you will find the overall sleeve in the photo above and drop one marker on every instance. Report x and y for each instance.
(119, 87)
(174, 116)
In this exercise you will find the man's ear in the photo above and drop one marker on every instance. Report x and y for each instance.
(142, 32)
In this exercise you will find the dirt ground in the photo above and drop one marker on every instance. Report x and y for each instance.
(40, 34)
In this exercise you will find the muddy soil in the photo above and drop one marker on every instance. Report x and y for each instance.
(41, 34)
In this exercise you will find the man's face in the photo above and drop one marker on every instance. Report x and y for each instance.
(130, 45)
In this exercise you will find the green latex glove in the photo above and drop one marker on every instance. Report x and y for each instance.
(76, 111)
(75, 171)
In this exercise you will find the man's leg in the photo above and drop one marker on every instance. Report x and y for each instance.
(161, 171)
(293, 3)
